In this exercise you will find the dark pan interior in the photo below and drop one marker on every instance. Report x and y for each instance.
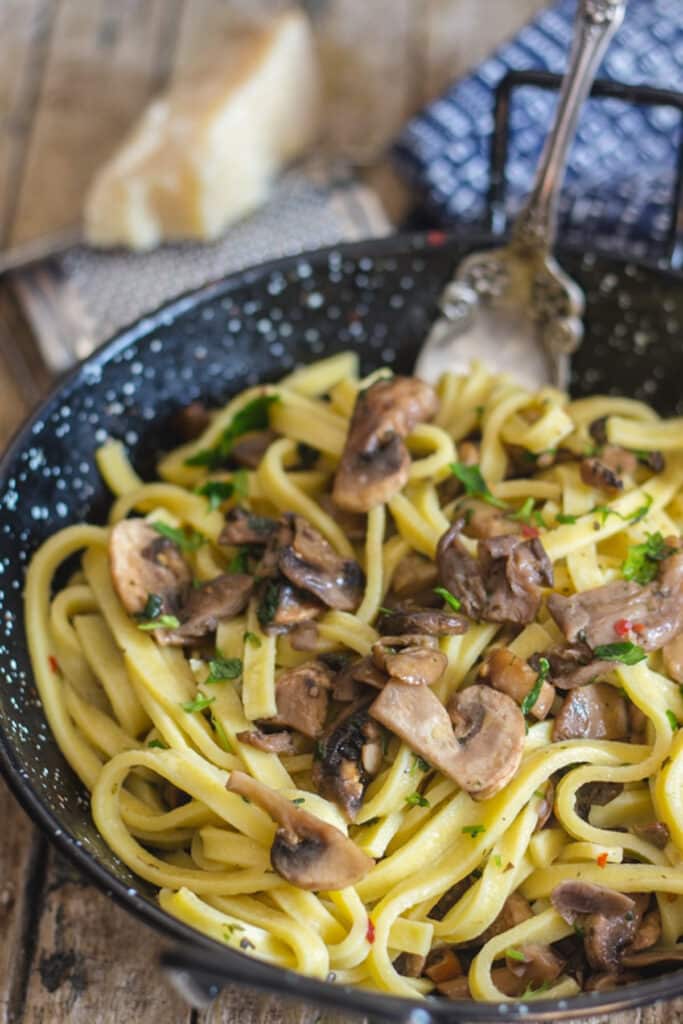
(377, 297)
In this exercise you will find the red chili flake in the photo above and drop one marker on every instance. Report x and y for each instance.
(638, 627)
(622, 627)
(436, 237)
(54, 665)
(370, 933)
(601, 859)
(530, 531)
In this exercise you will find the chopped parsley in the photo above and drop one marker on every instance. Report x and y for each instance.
(534, 693)
(626, 652)
(157, 745)
(515, 954)
(641, 512)
(473, 830)
(252, 416)
(267, 608)
(420, 763)
(221, 669)
(642, 561)
(566, 519)
(161, 622)
(252, 638)
(240, 560)
(497, 860)
(152, 609)
(187, 540)
(230, 929)
(673, 721)
(298, 801)
(473, 482)
(198, 704)
(417, 800)
(531, 991)
(523, 514)
(222, 735)
(217, 491)
(451, 600)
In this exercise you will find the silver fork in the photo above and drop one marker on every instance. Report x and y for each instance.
(514, 308)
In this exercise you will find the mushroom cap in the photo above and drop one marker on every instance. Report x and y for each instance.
(375, 462)
(427, 621)
(307, 851)
(490, 729)
(207, 605)
(243, 527)
(311, 563)
(574, 898)
(144, 562)
(411, 659)
(348, 758)
(597, 711)
(301, 694)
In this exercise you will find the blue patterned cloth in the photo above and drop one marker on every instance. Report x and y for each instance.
(619, 183)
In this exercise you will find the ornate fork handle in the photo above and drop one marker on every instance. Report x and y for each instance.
(597, 22)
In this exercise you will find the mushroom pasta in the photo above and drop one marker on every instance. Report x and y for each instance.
(382, 682)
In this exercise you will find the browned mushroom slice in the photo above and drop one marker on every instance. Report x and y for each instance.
(347, 758)
(598, 793)
(596, 711)
(484, 751)
(410, 659)
(375, 462)
(302, 695)
(347, 682)
(304, 637)
(354, 525)
(410, 965)
(512, 675)
(607, 469)
(484, 521)
(573, 899)
(503, 584)
(575, 665)
(443, 964)
(306, 851)
(655, 832)
(249, 449)
(271, 742)
(657, 608)
(540, 966)
(243, 527)
(515, 910)
(673, 658)
(654, 957)
(144, 563)
(648, 934)
(268, 566)
(429, 621)
(207, 605)
(606, 982)
(282, 606)
(414, 575)
(312, 564)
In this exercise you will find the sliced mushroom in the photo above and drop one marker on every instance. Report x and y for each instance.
(443, 964)
(503, 584)
(574, 899)
(308, 852)
(541, 964)
(657, 609)
(481, 754)
(429, 621)
(409, 965)
(243, 527)
(375, 462)
(606, 982)
(347, 758)
(302, 695)
(605, 939)
(607, 469)
(648, 934)
(249, 448)
(347, 682)
(354, 525)
(512, 675)
(546, 807)
(309, 562)
(514, 911)
(282, 606)
(457, 988)
(483, 521)
(410, 659)
(655, 832)
(574, 665)
(207, 605)
(414, 575)
(596, 711)
(595, 793)
(673, 658)
(304, 637)
(654, 957)
(143, 562)
(271, 742)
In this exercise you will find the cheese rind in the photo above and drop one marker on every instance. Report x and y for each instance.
(204, 154)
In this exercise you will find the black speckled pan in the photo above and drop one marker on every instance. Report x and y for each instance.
(376, 297)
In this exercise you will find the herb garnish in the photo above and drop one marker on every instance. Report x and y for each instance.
(515, 954)
(161, 622)
(534, 693)
(565, 518)
(449, 598)
(198, 704)
(252, 416)
(673, 721)
(417, 800)
(420, 763)
(270, 599)
(187, 540)
(252, 638)
(157, 745)
(473, 482)
(217, 491)
(473, 830)
(531, 991)
(221, 669)
(298, 801)
(240, 560)
(642, 562)
(627, 653)
(152, 609)
(222, 735)
(523, 514)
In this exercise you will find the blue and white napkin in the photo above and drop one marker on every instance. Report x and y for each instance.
(620, 180)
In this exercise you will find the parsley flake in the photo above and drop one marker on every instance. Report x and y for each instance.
(221, 669)
(252, 638)
(523, 514)
(268, 604)
(417, 800)
(157, 745)
(187, 540)
(566, 519)
(217, 491)
(252, 416)
(534, 693)
(473, 482)
(673, 721)
(627, 653)
(515, 954)
(451, 600)
(473, 830)
(161, 622)
(198, 704)
(642, 561)
(221, 735)
(155, 603)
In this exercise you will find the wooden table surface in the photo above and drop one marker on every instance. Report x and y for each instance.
(72, 75)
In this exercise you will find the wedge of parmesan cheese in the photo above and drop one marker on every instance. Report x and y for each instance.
(204, 154)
